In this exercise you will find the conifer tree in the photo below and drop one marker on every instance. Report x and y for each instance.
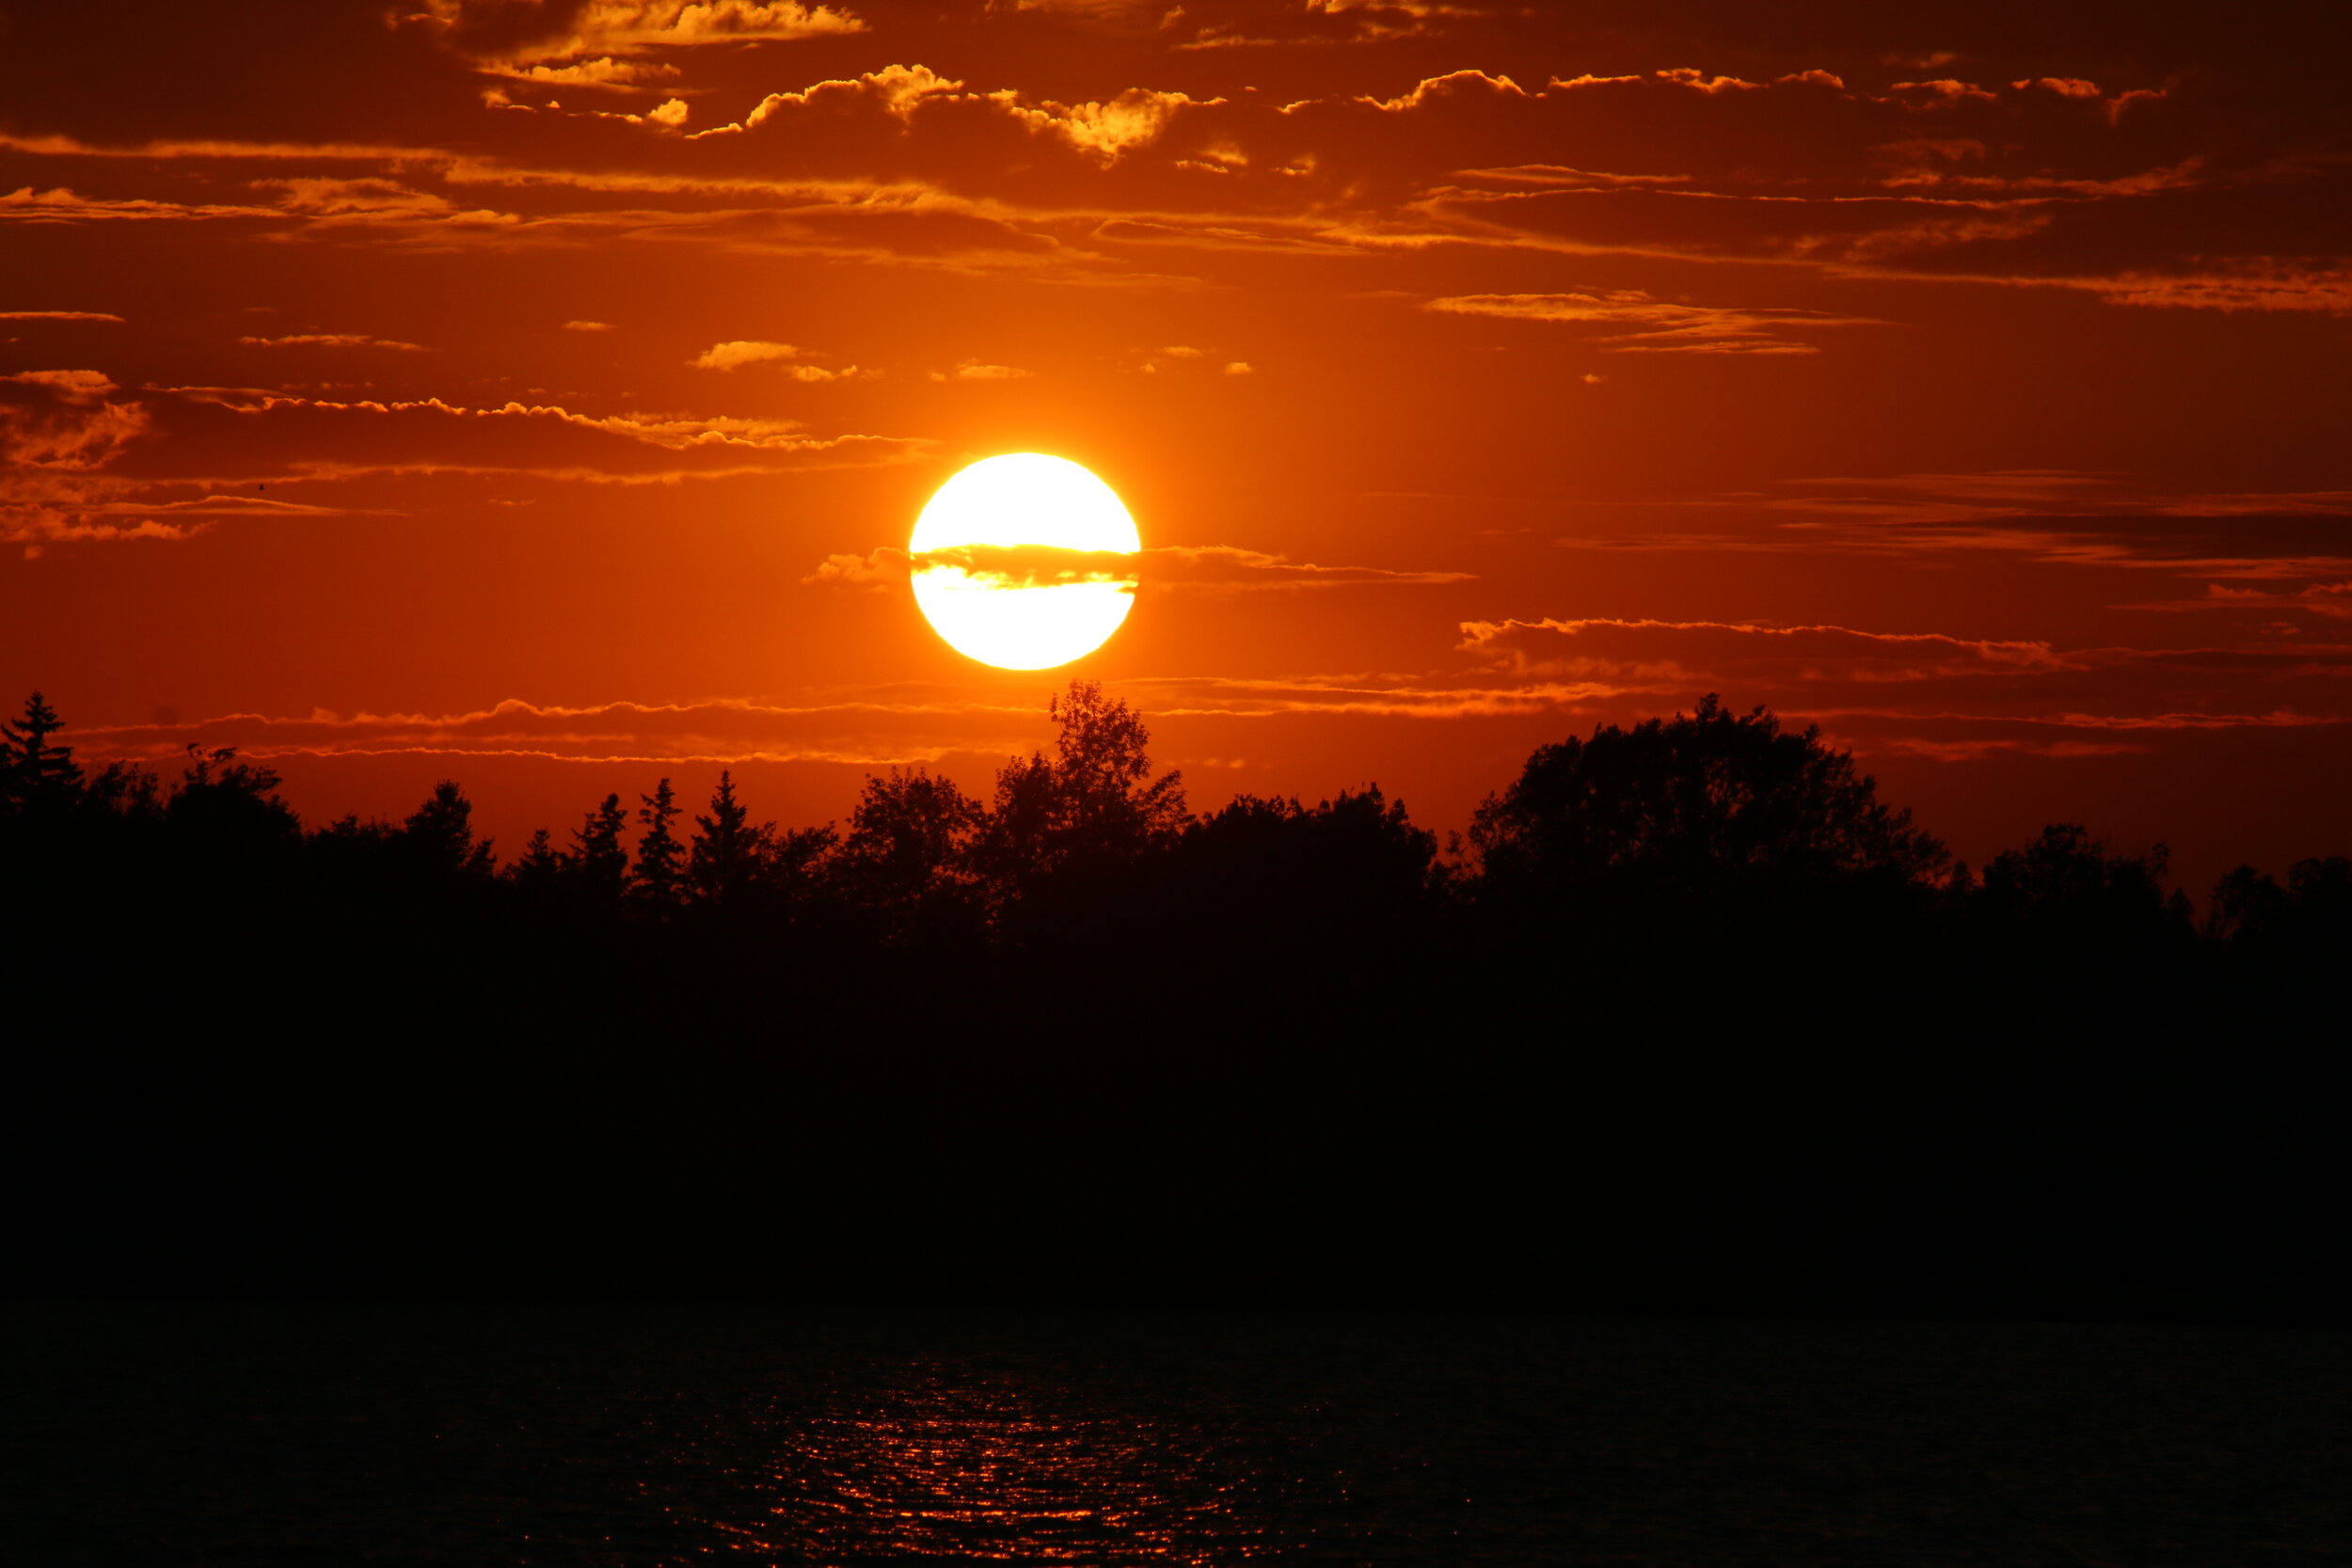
(441, 833)
(660, 857)
(540, 868)
(598, 857)
(37, 774)
(728, 851)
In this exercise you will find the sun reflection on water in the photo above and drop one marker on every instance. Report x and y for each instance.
(962, 1461)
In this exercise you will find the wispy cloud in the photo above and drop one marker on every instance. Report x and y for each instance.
(1194, 568)
(1664, 327)
(331, 340)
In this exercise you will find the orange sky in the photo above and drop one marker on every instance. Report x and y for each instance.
(522, 393)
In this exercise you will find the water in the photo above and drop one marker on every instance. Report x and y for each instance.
(672, 1437)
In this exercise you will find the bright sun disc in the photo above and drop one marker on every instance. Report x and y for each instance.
(1024, 562)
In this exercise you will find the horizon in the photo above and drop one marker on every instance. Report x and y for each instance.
(1450, 849)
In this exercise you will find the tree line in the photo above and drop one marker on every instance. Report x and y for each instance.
(1711, 822)
(1688, 1018)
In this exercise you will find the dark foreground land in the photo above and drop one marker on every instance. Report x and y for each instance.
(1692, 1024)
(555, 1436)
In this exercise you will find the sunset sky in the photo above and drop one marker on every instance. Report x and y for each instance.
(542, 395)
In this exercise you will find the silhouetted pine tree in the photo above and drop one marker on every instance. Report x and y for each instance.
(660, 857)
(599, 857)
(38, 776)
(440, 835)
(728, 853)
(541, 869)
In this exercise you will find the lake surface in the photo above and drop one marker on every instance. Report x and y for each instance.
(144, 1436)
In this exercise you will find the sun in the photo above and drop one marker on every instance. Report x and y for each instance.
(1024, 562)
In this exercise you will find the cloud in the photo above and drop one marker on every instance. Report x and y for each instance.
(897, 90)
(784, 356)
(1732, 651)
(1231, 567)
(1977, 750)
(1009, 566)
(869, 732)
(1214, 568)
(1935, 695)
(717, 437)
(331, 340)
(1207, 24)
(741, 352)
(65, 420)
(884, 568)
(1666, 328)
(63, 205)
(604, 73)
(1017, 566)
(57, 316)
(216, 149)
(587, 326)
(323, 195)
(202, 452)
(1797, 168)
(2075, 519)
(1224, 697)
(502, 37)
(1431, 88)
(63, 432)
(2259, 283)
(1179, 358)
(973, 370)
(1561, 177)
(2119, 189)
(58, 430)
(1107, 131)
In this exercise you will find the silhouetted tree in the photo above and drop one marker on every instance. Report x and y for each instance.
(2065, 873)
(1358, 850)
(2321, 890)
(2070, 901)
(1109, 802)
(34, 774)
(1708, 803)
(660, 857)
(599, 857)
(909, 842)
(125, 790)
(1093, 805)
(729, 853)
(2307, 922)
(2247, 906)
(439, 834)
(541, 871)
(798, 859)
(1342, 887)
(229, 806)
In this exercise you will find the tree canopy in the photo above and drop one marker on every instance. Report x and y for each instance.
(1704, 800)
